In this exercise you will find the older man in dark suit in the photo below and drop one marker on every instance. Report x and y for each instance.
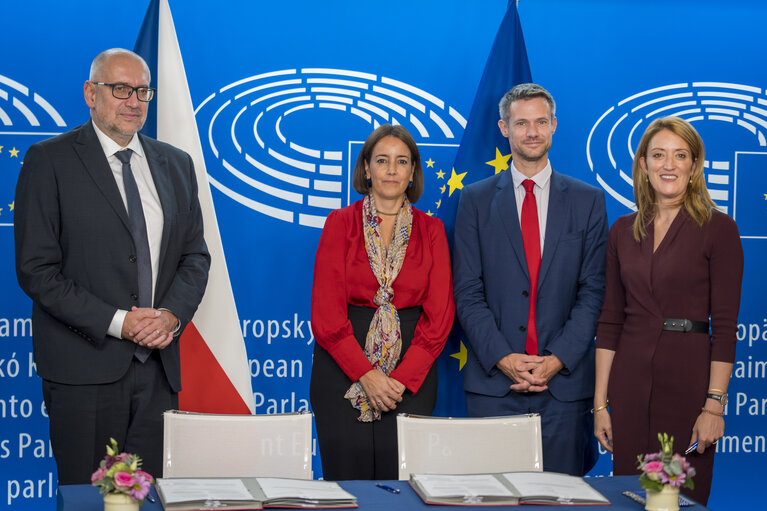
(109, 246)
(528, 270)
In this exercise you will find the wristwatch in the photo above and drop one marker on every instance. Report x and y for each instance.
(722, 398)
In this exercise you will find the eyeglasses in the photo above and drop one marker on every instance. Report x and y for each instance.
(124, 91)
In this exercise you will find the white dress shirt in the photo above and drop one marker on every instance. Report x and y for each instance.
(150, 202)
(541, 190)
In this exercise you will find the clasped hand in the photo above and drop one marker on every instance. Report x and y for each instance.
(530, 373)
(148, 327)
(383, 391)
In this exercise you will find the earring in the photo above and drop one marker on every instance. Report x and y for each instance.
(690, 179)
(410, 185)
(369, 181)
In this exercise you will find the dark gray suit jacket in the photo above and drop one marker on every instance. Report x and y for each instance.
(74, 254)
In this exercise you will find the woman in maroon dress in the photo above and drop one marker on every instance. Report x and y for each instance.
(673, 266)
(382, 306)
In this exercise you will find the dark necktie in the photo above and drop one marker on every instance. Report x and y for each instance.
(140, 240)
(531, 238)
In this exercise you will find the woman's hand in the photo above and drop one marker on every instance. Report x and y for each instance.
(708, 429)
(383, 392)
(603, 429)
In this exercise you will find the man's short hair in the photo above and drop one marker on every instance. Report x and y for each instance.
(521, 92)
(101, 58)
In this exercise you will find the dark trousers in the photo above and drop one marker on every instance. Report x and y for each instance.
(84, 417)
(567, 427)
(350, 449)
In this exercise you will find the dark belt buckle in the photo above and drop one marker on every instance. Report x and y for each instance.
(677, 325)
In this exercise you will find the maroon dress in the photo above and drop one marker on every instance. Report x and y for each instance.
(659, 379)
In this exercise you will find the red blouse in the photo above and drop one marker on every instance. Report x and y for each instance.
(342, 275)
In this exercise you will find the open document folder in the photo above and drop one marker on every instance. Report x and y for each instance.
(250, 493)
(508, 489)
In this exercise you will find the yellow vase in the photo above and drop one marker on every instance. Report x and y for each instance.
(119, 502)
(665, 500)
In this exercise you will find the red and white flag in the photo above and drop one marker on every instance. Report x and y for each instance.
(215, 375)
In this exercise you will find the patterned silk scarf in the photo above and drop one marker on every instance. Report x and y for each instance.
(383, 342)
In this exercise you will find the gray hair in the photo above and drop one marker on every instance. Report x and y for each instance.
(521, 92)
(101, 59)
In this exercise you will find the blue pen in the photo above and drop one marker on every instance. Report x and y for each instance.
(695, 446)
(387, 488)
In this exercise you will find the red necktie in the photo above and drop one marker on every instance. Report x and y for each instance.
(531, 238)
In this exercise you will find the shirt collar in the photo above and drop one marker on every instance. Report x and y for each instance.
(111, 147)
(541, 179)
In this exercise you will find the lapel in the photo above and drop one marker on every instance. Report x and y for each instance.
(505, 204)
(88, 148)
(651, 259)
(646, 267)
(158, 166)
(559, 206)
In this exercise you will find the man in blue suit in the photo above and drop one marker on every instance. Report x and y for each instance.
(528, 267)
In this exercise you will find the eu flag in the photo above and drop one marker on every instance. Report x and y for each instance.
(483, 152)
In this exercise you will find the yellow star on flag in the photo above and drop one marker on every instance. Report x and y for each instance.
(11, 205)
(500, 162)
(438, 203)
(442, 189)
(455, 182)
(14, 153)
(461, 356)
(430, 213)
(440, 175)
(1, 148)
(765, 196)
(429, 163)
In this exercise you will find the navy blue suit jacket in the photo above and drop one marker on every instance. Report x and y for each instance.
(492, 284)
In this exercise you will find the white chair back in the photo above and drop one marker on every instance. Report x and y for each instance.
(213, 445)
(446, 445)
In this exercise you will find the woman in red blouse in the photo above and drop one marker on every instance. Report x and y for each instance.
(382, 306)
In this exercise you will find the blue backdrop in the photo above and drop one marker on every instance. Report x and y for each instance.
(609, 65)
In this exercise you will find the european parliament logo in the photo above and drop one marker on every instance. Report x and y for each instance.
(731, 118)
(25, 118)
(285, 142)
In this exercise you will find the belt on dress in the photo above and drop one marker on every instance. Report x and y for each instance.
(685, 325)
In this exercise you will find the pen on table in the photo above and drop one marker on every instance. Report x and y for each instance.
(387, 488)
(150, 499)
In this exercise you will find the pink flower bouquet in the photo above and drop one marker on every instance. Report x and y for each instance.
(121, 473)
(665, 468)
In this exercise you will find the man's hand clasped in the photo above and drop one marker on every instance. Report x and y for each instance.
(148, 327)
(530, 373)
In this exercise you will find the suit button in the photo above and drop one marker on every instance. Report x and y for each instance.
(134, 297)
(525, 293)
(522, 328)
(132, 259)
